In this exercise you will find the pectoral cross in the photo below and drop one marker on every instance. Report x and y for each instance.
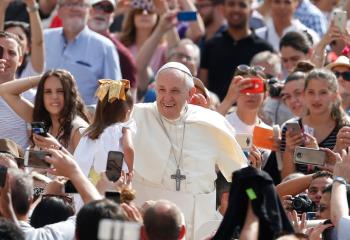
(178, 177)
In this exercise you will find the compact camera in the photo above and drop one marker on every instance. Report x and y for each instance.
(302, 203)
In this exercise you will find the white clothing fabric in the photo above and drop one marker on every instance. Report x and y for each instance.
(93, 153)
(64, 230)
(343, 228)
(270, 35)
(13, 126)
(29, 71)
(208, 140)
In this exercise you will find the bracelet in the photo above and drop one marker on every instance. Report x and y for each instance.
(34, 8)
(340, 180)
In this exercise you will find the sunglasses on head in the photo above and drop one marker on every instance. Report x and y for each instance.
(344, 75)
(253, 70)
(107, 8)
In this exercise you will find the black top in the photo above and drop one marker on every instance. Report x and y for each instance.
(222, 54)
(16, 11)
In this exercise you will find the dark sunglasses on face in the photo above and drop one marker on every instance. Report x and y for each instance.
(107, 8)
(345, 75)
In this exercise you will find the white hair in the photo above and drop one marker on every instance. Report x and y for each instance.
(179, 67)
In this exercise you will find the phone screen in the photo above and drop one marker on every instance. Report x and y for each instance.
(36, 159)
(114, 165)
(39, 128)
(114, 196)
(3, 173)
(187, 16)
(69, 187)
(1, 52)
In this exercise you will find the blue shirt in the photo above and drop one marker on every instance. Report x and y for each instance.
(89, 57)
(312, 17)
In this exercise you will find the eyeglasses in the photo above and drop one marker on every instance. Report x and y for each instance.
(65, 198)
(106, 8)
(179, 55)
(253, 70)
(344, 75)
(76, 4)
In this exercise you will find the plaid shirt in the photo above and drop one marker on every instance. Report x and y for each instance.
(312, 17)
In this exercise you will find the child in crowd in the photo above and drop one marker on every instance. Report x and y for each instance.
(57, 104)
(110, 130)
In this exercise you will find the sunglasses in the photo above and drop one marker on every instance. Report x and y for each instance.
(107, 8)
(344, 75)
(253, 70)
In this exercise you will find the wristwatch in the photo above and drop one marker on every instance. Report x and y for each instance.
(33, 8)
(340, 180)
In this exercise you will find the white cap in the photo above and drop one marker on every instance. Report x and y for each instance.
(93, 2)
(175, 65)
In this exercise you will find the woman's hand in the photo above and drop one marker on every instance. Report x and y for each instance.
(46, 142)
(343, 139)
(299, 223)
(293, 140)
(310, 141)
(255, 158)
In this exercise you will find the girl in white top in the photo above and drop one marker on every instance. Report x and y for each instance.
(110, 130)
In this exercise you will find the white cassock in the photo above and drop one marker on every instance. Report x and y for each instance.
(208, 142)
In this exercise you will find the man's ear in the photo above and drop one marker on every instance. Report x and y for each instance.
(182, 232)
(192, 91)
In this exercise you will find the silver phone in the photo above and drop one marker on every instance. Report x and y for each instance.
(311, 156)
(339, 18)
(294, 127)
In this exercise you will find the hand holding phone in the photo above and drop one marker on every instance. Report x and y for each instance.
(187, 16)
(39, 128)
(303, 155)
(294, 127)
(257, 86)
(36, 159)
(114, 165)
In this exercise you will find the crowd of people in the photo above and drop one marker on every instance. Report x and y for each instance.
(174, 119)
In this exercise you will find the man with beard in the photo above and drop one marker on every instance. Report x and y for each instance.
(74, 47)
(214, 21)
(236, 45)
(100, 18)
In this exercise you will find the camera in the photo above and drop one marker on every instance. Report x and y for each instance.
(302, 203)
(275, 87)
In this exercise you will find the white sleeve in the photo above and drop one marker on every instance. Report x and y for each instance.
(343, 228)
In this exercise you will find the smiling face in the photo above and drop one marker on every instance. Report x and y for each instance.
(53, 95)
(237, 13)
(283, 9)
(12, 56)
(172, 93)
(292, 96)
(22, 37)
(318, 98)
(100, 16)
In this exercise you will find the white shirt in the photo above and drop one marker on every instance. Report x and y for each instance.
(269, 32)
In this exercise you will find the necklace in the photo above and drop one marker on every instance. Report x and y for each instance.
(177, 176)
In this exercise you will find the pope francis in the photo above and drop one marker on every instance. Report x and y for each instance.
(178, 147)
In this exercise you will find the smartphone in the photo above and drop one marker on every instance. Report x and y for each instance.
(1, 52)
(339, 18)
(294, 127)
(114, 165)
(245, 141)
(311, 156)
(69, 187)
(36, 159)
(257, 86)
(39, 128)
(114, 196)
(115, 229)
(187, 16)
(3, 174)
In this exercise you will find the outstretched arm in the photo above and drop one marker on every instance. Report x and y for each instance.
(128, 149)
(37, 37)
(10, 92)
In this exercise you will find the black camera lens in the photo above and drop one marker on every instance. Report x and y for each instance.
(299, 155)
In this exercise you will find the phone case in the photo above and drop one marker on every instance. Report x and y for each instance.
(263, 137)
(114, 165)
(339, 18)
(36, 159)
(257, 86)
(311, 156)
(245, 141)
(294, 127)
(186, 16)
